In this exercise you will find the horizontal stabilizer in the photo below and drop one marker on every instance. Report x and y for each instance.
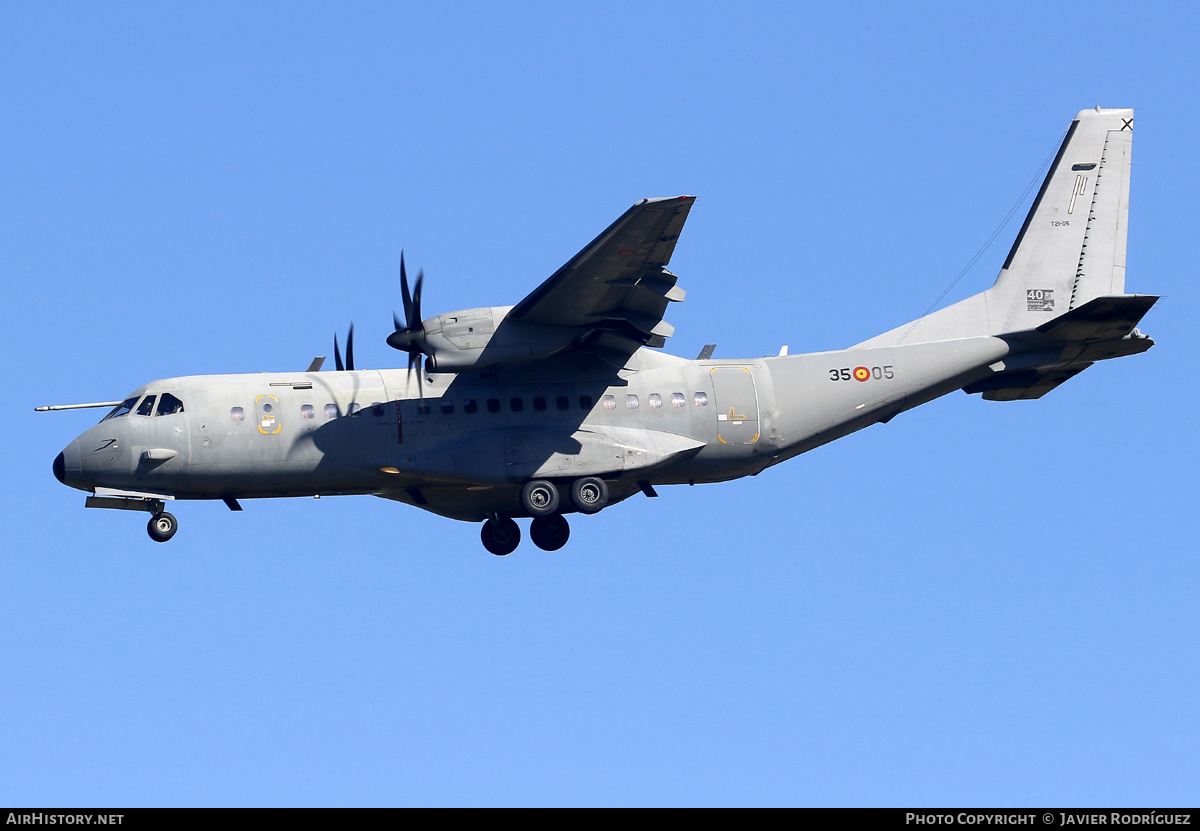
(1023, 384)
(1102, 318)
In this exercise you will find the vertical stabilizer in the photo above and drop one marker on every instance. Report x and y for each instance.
(1071, 248)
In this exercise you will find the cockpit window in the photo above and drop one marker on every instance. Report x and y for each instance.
(147, 406)
(122, 409)
(168, 405)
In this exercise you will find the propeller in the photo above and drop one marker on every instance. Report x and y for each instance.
(337, 355)
(410, 337)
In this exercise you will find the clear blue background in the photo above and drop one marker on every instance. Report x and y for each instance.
(976, 604)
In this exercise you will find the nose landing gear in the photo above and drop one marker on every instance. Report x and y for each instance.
(162, 526)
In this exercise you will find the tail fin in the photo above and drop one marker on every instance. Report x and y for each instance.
(1071, 248)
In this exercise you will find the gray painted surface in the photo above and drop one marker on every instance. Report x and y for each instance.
(567, 383)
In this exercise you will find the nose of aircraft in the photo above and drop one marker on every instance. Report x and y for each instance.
(66, 463)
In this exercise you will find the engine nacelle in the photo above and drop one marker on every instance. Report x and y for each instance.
(476, 340)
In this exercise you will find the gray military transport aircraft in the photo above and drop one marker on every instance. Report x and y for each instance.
(562, 403)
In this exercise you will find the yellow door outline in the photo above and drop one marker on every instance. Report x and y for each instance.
(266, 422)
(732, 416)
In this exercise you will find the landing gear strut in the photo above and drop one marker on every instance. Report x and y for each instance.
(500, 535)
(162, 526)
(549, 533)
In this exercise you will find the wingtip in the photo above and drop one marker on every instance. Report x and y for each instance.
(655, 199)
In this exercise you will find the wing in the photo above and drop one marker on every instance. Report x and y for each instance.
(616, 290)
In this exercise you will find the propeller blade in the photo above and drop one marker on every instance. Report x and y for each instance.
(337, 355)
(404, 295)
(409, 336)
(417, 320)
(350, 349)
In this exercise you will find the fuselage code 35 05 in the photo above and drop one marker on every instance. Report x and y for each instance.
(862, 373)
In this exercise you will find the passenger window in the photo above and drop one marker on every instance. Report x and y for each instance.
(377, 410)
(493, 405)
(147, 406)
(353, 410)
(237, 414)
(168, 405)
(331, 411)
(585, 402)
(470, 405)
(608, 402)
(701, 399)
(308, 411)
(655, 401)
(562, 402)
(516, 404)
(677, 399)
(447, 408)
(631, 402)
(424, 409)
(539, 404)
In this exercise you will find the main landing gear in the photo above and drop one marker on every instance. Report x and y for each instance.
(500, 535)
(549, 529)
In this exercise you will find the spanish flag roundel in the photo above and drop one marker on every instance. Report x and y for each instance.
(861, 373)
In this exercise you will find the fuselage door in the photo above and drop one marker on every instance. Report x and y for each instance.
(269, 414)
(737, 404)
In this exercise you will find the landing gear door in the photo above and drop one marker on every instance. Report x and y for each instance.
(737, 404)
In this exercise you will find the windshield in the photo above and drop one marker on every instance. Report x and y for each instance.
(122, 409)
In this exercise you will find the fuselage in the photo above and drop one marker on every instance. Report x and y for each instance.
(464, 444)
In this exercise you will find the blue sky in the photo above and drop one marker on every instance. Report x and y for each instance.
(978, 603)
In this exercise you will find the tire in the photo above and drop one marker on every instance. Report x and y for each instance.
(589, 494)
(539, 498)
(162, 526)
(500, 537)
(549, 533)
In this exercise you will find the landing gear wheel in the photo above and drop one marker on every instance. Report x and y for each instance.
(539, 497)
(500, 536)
(589, 494)
(549, 533)
(162, 526)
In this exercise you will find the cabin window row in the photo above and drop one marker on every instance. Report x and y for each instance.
(493, 405)
(608, 402)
